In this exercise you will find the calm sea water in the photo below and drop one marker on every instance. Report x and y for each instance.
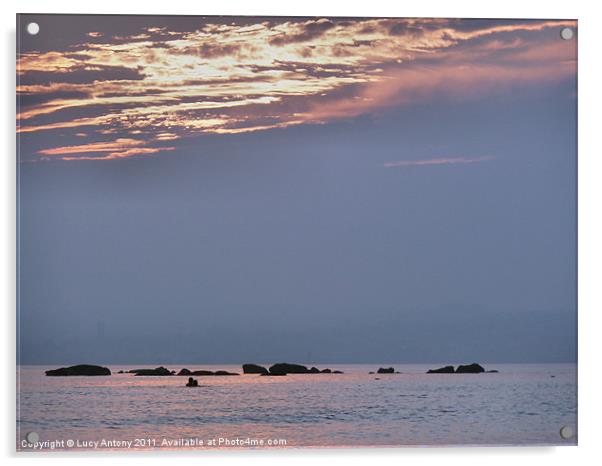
(523, 404)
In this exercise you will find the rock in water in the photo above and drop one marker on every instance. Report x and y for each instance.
(285, 368)
(442, 370)
(82, 369)
(253, 369)
(157, 371)
(473, 368)
(383, 370)
(184, 371)
(203, 372)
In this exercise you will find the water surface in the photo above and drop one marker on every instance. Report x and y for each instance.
(523, 404)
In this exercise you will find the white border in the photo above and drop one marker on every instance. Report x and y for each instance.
(590, 226)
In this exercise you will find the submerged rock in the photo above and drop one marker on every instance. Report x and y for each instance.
(387, 370)
(442, 370)
(224, 373)
(473, 368)
(337, 372)
(253, 369)
(492, 371)
(162, 371)
(81, 369)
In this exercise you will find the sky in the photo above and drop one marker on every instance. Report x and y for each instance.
(316, 190)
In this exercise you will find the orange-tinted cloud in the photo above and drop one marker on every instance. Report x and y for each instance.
(438, 161)
(240, 77)
(109, 150)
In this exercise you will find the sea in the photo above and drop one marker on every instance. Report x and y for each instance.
(522, 404)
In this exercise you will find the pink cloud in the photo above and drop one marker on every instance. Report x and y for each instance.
(119, 149)
(439, 161)
(236, 78)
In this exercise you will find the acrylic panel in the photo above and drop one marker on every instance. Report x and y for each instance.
(272, 232)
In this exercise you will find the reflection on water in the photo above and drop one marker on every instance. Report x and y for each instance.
(523, 404)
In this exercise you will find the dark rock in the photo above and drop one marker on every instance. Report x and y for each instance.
(253, 369)
(192, 382)
(337, 372)
(492, 371)
(326, 371)
(224, 373)
(121, 372)
(205, 373)
(275, 374)
(442, 370)
(184, 371)
(473, 368)
(81, 369)
(370, 372)
(383, 370)
(314, 370)
(162, 371)
(285, 368)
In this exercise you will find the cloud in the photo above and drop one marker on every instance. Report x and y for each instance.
(83, 74)
(422, 82)
(439, 161)
(237, 76)
(291, 33)
(106, 150)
